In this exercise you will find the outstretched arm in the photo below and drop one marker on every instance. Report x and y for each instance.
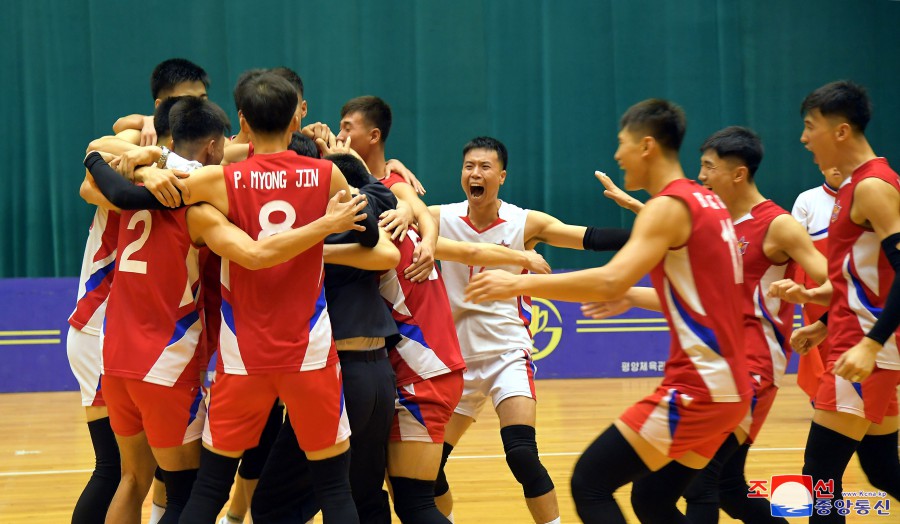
(541, 227)
(209, 226)
(664, 223)
(489, 255)
(382, 257)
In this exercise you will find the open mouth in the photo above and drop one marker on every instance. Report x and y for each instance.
(476, 191)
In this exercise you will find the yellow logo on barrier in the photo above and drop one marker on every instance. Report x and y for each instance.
(540, 318)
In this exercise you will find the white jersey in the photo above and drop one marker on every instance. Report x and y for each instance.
(490, 328)
(813, 209)
(97, 272)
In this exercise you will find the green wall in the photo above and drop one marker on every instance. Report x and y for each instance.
(550, 79)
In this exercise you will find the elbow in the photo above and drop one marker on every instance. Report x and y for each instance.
(608, 287)
(392, 258)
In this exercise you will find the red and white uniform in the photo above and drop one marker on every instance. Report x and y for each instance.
(275, 321)
(861, 276)
(153, 326)
(767, 321)
(493, 336)
(705, 389)
(152, 331)
(86, 322)
(428, 349)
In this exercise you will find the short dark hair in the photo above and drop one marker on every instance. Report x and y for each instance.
(841, 98)
(245, 76)
(736, 142)
(354, 170)
(663, 120)
(303, 145)
(491, 144)
(161, 115)
(376, 111)
(169, 73)
(268, 102)
(193, 119)
(291, 76)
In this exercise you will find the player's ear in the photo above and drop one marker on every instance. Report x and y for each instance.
(842, 132)
(243, 123)
(502, 177)
(303, 109)
(741, 173)
(374, 135)
(648, 143)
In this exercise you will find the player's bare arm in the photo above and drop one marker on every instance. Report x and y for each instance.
(787, 239)
(617, 195)
(639, 297)
(208, 226)
(876, 204)
(382, 257)
(397, 221)
(651, 238)
(489, 255)
(423, 257)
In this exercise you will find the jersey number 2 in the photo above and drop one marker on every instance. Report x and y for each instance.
(136, 266)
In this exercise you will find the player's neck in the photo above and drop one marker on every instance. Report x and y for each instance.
(855, 155)
(661, 173)
(483, 214)
(375, 162)
(743, 200)
(266, 144)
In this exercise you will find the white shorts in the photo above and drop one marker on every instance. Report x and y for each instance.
(85, 358)
(510, 374)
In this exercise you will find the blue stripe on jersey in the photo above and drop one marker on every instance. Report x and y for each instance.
(412, 332)
(524, 313)
(98, 277)
(820, 232)
(228, 315)
(195, 405)
(864, 300)
(183, 324)
(762, 307)
(674, 417)
(753, 401)
(320, 307)
(341, 411)
(410, 406)
(858, 387)
(703, 333)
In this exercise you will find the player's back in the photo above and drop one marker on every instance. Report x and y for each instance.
(153, 326)
(428, 344)
(490, 328)
(699, 288)
(859, 271)
(767, 320)
(275, 319)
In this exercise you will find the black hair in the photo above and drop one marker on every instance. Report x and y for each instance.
(169, 73)
(354, 170)
(842, 98)
(194, 119)
(291, 76)
(303, 145)
(374, 110)
(491, 144)
(663, 120)
(736, 142)
(246, 75)
(161, 115)
(268, 102)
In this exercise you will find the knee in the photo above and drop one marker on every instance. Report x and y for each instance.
(522, 457)
(703, 489)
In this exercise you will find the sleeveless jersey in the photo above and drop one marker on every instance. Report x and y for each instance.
(210, 303)
(858, 270)
(699, 288)
(153, 327)
(767, 321)
(275, 320)
(494, 327)
(813, 209)
(97, 272)
(428, 345)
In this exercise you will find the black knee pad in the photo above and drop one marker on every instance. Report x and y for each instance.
(521, 450)
(440, 484)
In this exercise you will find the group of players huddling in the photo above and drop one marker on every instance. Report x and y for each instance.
(302, 265)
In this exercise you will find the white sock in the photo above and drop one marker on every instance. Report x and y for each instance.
(557, 520)
(156, 513)
(450, 517)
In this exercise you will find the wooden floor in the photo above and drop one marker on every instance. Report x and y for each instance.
(46, 456)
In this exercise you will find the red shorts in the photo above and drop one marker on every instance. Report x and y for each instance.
(422, 409)
(170, 416)
(239, 406)
(674, 423)
(763, 398)
(873, 399)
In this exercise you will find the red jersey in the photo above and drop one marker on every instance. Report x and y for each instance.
(275, 320)
(153, 326)
(858, 270)
(699, 288)
(97, 272)
(210, 303)
(428, 344)
(767, 321)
